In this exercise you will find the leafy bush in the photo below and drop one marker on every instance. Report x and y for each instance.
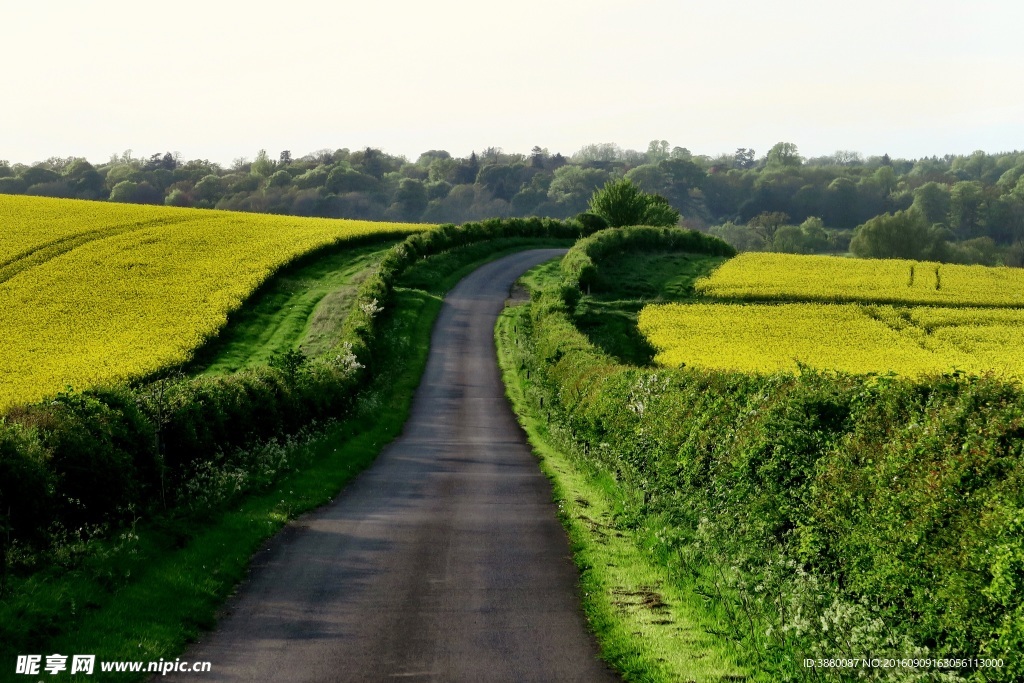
(592, 221)
(621, 203)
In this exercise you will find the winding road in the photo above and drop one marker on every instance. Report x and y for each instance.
(443, 561)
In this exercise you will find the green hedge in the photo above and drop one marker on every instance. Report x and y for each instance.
(111, 454)
(580, 265)
(843, 515)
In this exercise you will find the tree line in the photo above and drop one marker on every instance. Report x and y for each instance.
(967, 208)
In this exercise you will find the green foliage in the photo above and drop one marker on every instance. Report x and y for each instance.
(931, 200)
(579, 266)
(12, 185)
(571, 185)
(810, 237)
(904, 234)
(290, 363)
(880, 513)
(280, 179)
(592, 221)
(976, 195)
(131, 192)
(622, 203)
(263, 165)
(26, 485)
(783, 154)
(39, 174)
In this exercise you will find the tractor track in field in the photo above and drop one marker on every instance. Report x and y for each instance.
(40, 254)
(443, 561)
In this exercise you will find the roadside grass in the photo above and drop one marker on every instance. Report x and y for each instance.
(303, 308)
(148, 593)
(651, 626)
(628, 282)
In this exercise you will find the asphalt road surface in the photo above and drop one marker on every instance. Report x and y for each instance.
(444, 561)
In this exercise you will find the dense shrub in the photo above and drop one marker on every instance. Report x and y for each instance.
(26, 484)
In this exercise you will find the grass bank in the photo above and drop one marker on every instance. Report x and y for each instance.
(303, 308)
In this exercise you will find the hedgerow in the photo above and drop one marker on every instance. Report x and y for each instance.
(834, 515)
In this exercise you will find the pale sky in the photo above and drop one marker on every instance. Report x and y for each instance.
(220, 80)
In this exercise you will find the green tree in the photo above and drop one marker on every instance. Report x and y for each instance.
(39, 174)
(572, 185)
(503, 180)
(904, 234)
(314, 177)
(178, 197)
(621, 203)
(410, 199)
(742, 237)
(280, 179)
(263, 165)
(816, 238)
(766, 224)
(790, 239)
(12, 186)
(343, 179)
(743, 158)
(130, 192)
(85, 180)
(885, 179)
(210, 188)
(649, 178)
(931, 200)
(783, 154)
(966, 208)
(657, 150)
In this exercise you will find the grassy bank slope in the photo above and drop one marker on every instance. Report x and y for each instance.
(303, 309)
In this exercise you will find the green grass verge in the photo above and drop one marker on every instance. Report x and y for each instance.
(649, 628)
(148, 594)
(303, 308)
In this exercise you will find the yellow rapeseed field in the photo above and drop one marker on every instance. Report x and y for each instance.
(791, 277)
(880, 328)
(30, 223)
(766, 338)
(135, 300)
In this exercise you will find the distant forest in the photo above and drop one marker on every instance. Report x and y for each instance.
(967, 209)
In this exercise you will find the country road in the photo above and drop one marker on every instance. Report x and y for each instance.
(444, 561)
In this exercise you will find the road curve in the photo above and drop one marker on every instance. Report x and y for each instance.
(444, 561)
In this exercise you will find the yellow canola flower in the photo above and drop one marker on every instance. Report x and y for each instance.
(793, 277)
(766, 338)
(29, 224)
(132, 302)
